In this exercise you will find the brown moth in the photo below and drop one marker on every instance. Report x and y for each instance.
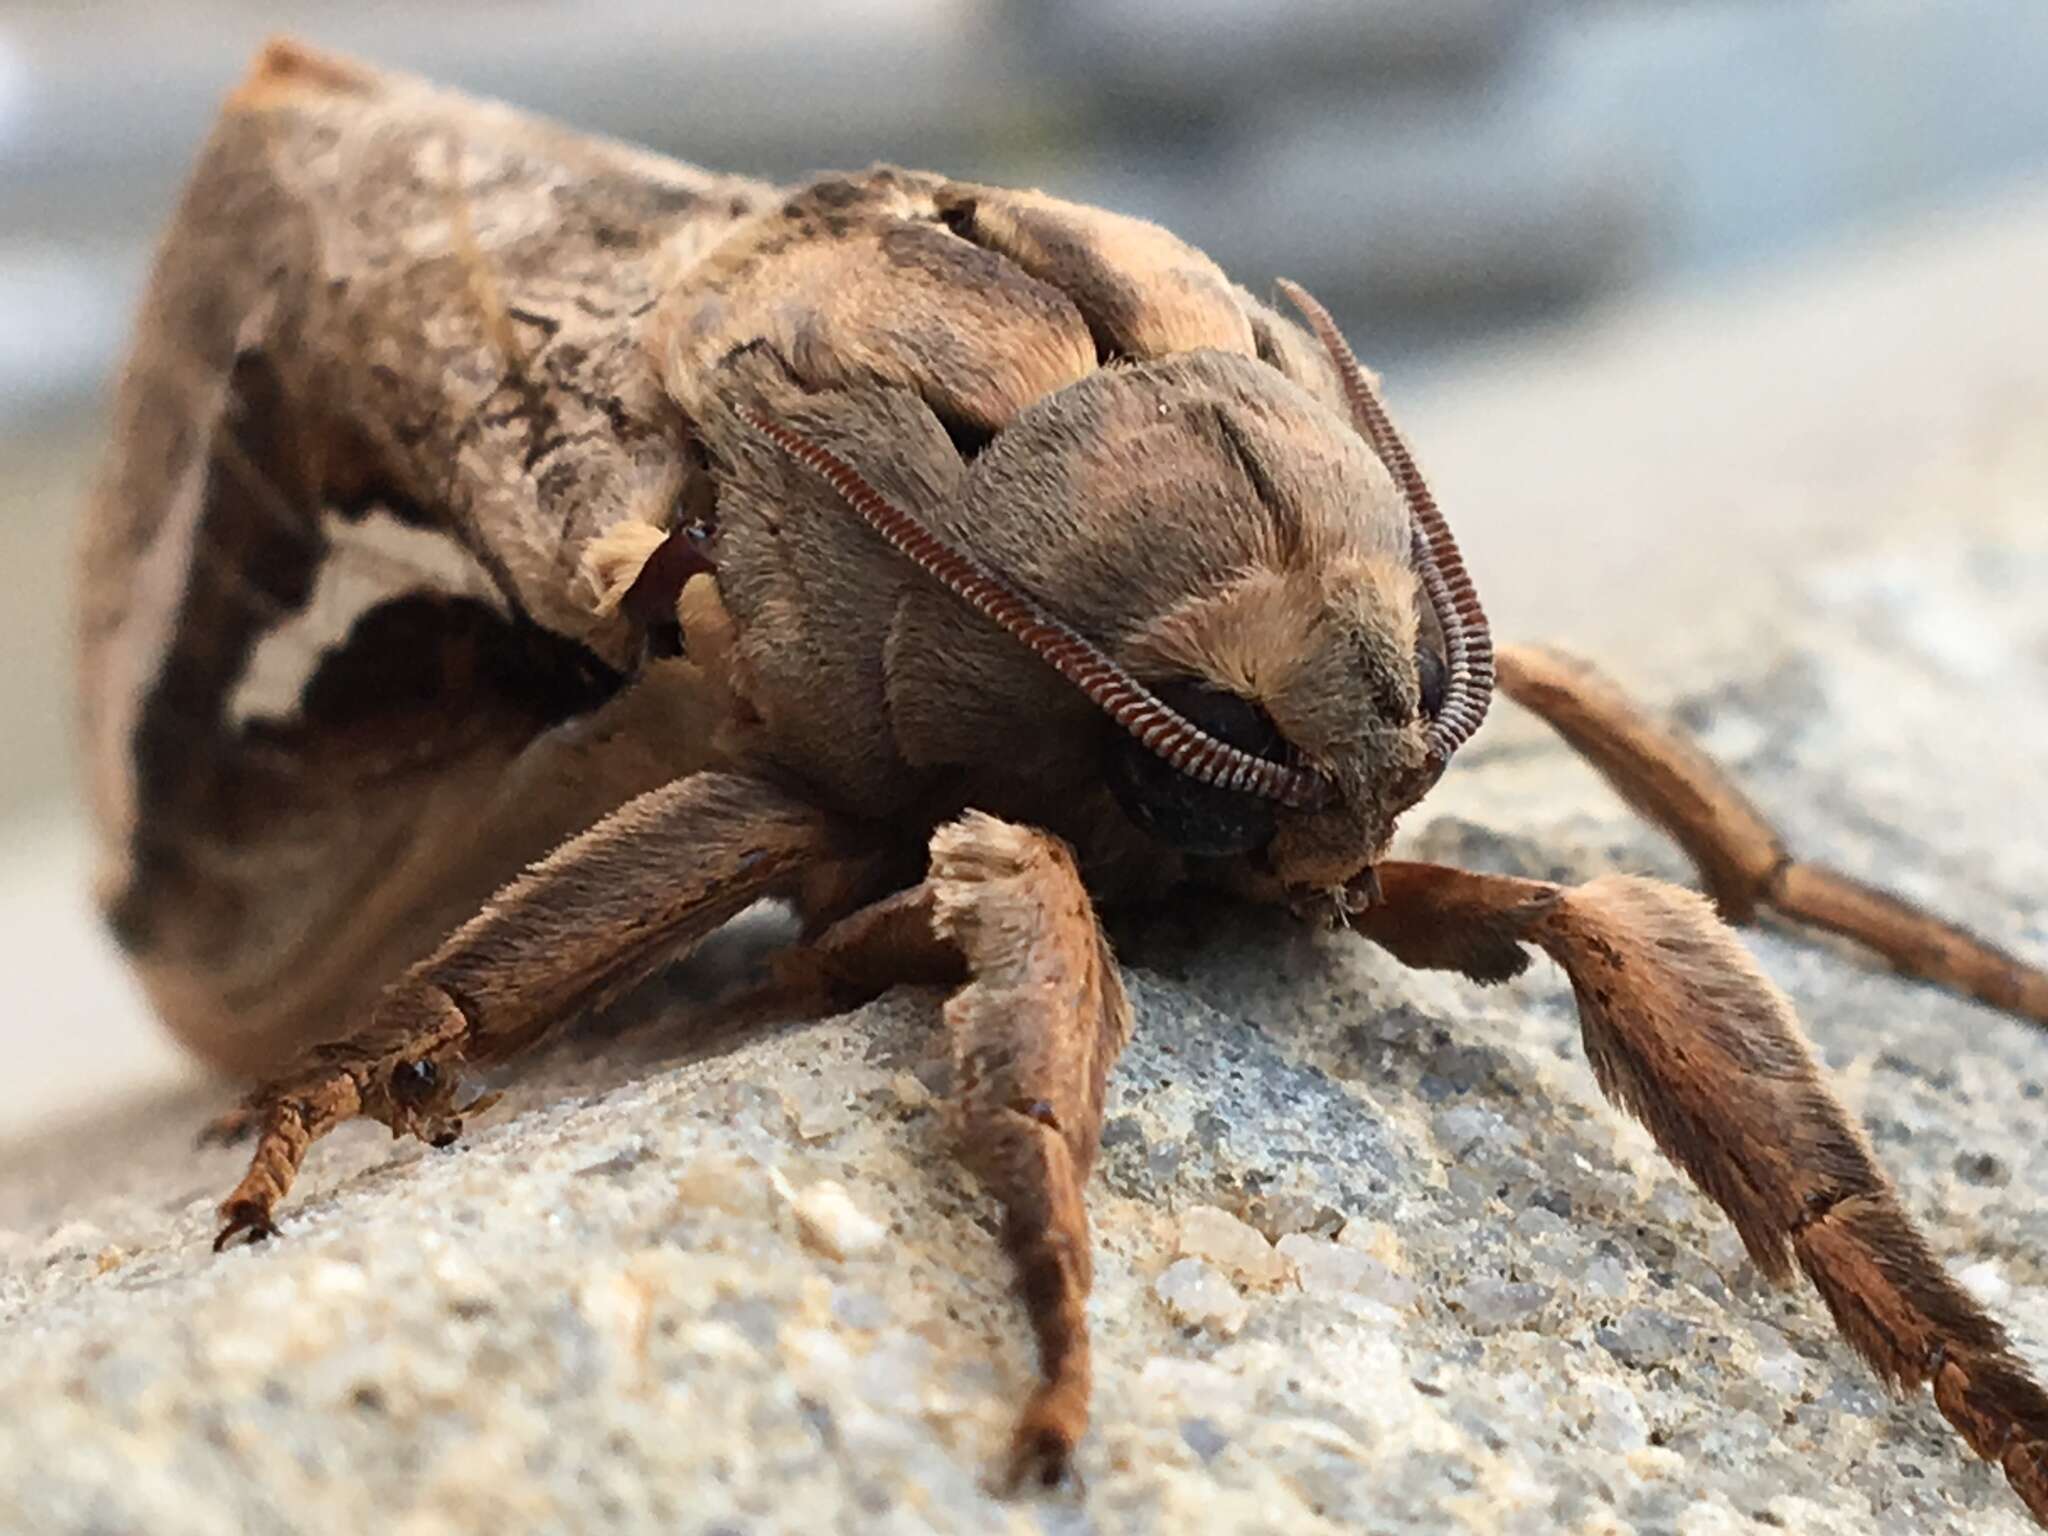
(520, 553)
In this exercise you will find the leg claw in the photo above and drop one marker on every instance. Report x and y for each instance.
(1041, 1456)
(244, 1218)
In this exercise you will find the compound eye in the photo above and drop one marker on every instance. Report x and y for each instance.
(1184, 813)
(414, 1082)
(1434, 676)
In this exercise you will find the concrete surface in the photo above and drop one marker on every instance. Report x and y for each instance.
(1372, 1253)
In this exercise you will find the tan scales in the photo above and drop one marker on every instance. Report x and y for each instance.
(951, 562)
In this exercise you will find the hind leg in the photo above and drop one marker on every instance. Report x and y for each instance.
(1741, 859)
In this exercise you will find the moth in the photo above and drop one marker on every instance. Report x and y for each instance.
(519, 553)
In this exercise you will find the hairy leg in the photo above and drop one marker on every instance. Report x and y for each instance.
(1688, 1035)
(1741, 859)
(1034, 1033)
(1036, 1019)
(888, 943)
(600, 913)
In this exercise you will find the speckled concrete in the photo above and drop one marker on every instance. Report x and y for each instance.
(1373, 1255)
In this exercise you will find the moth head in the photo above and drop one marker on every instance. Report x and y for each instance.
(1300, 677)
(1334, 668)
(1367, 665)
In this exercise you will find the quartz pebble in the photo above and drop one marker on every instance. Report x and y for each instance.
(1197, 1295)
(833, 1224)
(1241, 1251)
(1327, 1268)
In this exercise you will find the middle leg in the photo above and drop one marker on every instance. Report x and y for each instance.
(602, 912)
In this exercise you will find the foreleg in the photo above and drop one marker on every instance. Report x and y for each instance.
(1034, 1033)
(1036, 1019)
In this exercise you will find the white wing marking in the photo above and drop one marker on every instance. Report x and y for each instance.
(370, 560)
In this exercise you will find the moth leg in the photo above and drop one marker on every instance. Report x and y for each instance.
(599, 914)
(1741, 859)
(888, 943)
(1034, 1033)
(1686, 1033)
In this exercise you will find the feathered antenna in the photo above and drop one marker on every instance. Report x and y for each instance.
(1468, 640)
(1160, 729)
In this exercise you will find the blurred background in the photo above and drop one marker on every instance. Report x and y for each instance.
(1488, 192)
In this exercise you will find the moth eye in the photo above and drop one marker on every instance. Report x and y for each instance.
(1185, 813)
(413, 1082)
(1433, 676)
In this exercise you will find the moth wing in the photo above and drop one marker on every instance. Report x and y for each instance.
(340, 675)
